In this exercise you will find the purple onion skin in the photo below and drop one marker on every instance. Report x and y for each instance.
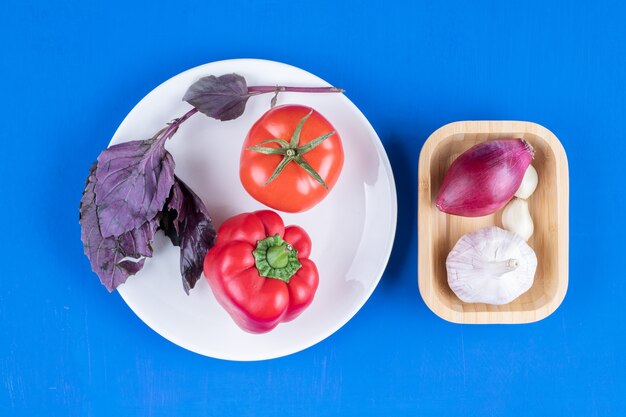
(484, 178)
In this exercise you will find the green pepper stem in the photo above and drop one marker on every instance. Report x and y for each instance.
(278, 256)
(275, 258)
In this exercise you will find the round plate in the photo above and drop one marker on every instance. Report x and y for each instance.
(352, 230)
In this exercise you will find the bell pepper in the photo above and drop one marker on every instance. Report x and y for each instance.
(260, 271)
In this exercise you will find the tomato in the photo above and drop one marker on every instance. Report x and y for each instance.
(291, 158)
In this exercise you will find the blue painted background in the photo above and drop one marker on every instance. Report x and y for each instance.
(71, 70)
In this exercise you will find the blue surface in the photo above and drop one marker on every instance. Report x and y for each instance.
(71, 70)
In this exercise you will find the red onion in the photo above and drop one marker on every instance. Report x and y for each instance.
(484, 178)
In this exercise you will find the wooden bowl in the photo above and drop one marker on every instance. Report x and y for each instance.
(438, 232)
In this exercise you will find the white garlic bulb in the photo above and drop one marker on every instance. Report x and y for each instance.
(529, 183)
(516, 218)
(491, 265)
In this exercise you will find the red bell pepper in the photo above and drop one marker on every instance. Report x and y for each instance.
(260, 271)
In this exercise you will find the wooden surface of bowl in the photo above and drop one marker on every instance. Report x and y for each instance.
(438, 232)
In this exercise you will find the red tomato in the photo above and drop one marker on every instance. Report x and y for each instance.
(291, 158)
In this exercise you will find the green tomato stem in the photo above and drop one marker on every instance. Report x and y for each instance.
(291, 151)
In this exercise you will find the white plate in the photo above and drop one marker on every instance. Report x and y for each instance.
(352, 229)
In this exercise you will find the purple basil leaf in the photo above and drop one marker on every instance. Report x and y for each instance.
(172, 214)
(187, 223)
(133, 180)
(222, 98)
(113, 259)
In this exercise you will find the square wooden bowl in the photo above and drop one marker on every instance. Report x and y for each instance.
(438, 232)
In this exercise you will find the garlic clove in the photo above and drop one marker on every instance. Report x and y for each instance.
(516, 218)
(529, 183)
(491, 266)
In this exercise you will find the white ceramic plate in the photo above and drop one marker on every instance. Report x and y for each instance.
(352, 230)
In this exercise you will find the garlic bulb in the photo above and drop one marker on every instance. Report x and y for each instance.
(529, 183)
(491, 265)
(516, 218)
